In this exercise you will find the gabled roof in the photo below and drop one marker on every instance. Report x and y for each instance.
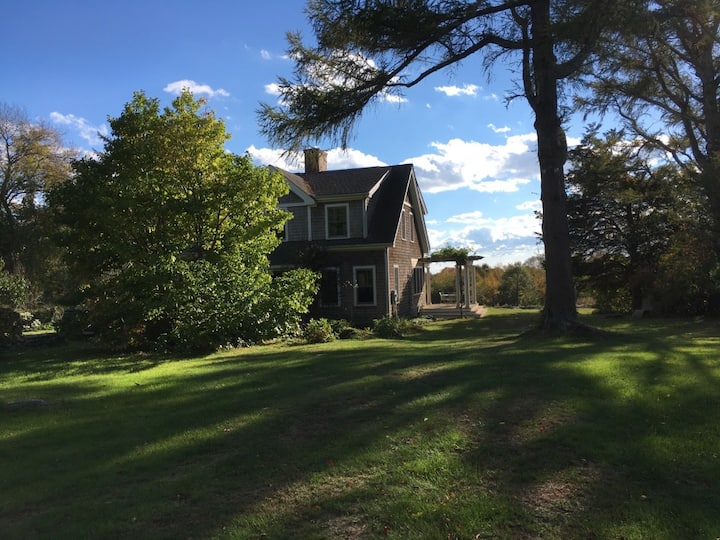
(384, 187)
(345, 183)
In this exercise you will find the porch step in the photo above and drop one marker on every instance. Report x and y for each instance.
(445, 311)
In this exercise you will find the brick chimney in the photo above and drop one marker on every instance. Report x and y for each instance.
(315, 160)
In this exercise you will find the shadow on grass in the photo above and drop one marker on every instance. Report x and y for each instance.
(465, 430)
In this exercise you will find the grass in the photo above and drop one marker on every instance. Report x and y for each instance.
(469, 429)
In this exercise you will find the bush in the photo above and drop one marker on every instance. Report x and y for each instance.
(319, 331)
(74, 323)
(387, 327)
(343, 329)
(13, 289)
(11, 326)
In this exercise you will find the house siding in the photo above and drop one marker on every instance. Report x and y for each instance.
(405, 255)
(346, 262)
(296, 227)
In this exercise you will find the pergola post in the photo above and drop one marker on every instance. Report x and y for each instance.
(468, 265)
(458, 284)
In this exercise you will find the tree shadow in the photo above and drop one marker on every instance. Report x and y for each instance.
(318, 442)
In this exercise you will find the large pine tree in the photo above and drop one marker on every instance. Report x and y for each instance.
(365, 49)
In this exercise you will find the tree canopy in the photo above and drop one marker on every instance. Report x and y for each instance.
(32, 159)
(169, 233)
(662, 76)
(619, 209)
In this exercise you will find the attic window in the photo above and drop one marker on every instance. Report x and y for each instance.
(337, 217)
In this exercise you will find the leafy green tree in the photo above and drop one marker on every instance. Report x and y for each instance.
(619, 213)
(169, 234)
(32, 159)
(366, 49)
(444, 281)
(488, 284)
(517, 287)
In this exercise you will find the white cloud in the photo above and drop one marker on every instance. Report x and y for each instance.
(535, 205)
(478, 166)
(393, 98)
(273, 89)
(452, 91)
(265, 55)
(177, 87)
(92, 134)
(500, 241)
(337, 159)
(504, 129)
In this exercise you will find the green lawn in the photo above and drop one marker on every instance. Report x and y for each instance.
(469, 429)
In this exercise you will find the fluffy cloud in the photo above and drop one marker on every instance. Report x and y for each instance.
(452, 91)
(479, 166)
(496, 129)
(177, 87)
(501, 241)
(272, 89)
(392, 98)
(92, 134)
(337, 159)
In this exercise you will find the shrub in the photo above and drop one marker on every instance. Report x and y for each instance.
(74, 323)
(319, 331)
(11, 326)
(343, 329)
(387, 327)
(13, 289)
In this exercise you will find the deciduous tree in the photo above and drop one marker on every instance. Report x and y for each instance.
(171, 233)
(32, 159)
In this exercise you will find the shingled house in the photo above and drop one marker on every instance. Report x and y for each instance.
(364, 231)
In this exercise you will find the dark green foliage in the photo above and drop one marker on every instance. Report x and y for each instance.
(620, 210)
(517, 288)
(319, 331)
(11, 326)
(393, 327)
(13, 289)
(75, 323)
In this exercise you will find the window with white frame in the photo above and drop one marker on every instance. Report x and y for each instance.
(364, 280)
(337, 220)
(330, 287)
(411, 219)
(403, 226)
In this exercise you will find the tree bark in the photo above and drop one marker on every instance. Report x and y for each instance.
(560, 311)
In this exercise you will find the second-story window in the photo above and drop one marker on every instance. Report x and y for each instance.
(337, 220)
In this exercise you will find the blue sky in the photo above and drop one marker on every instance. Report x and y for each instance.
(76, 62)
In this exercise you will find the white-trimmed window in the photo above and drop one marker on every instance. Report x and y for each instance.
(403, 225)
(330, 287)
(337, 220)
(364, 280)
(411, 219)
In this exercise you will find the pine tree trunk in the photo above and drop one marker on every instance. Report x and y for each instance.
(560, 311)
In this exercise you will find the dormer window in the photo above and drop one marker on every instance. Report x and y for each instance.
(337, 221)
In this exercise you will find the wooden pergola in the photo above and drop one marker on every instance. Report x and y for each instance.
(465, 279)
